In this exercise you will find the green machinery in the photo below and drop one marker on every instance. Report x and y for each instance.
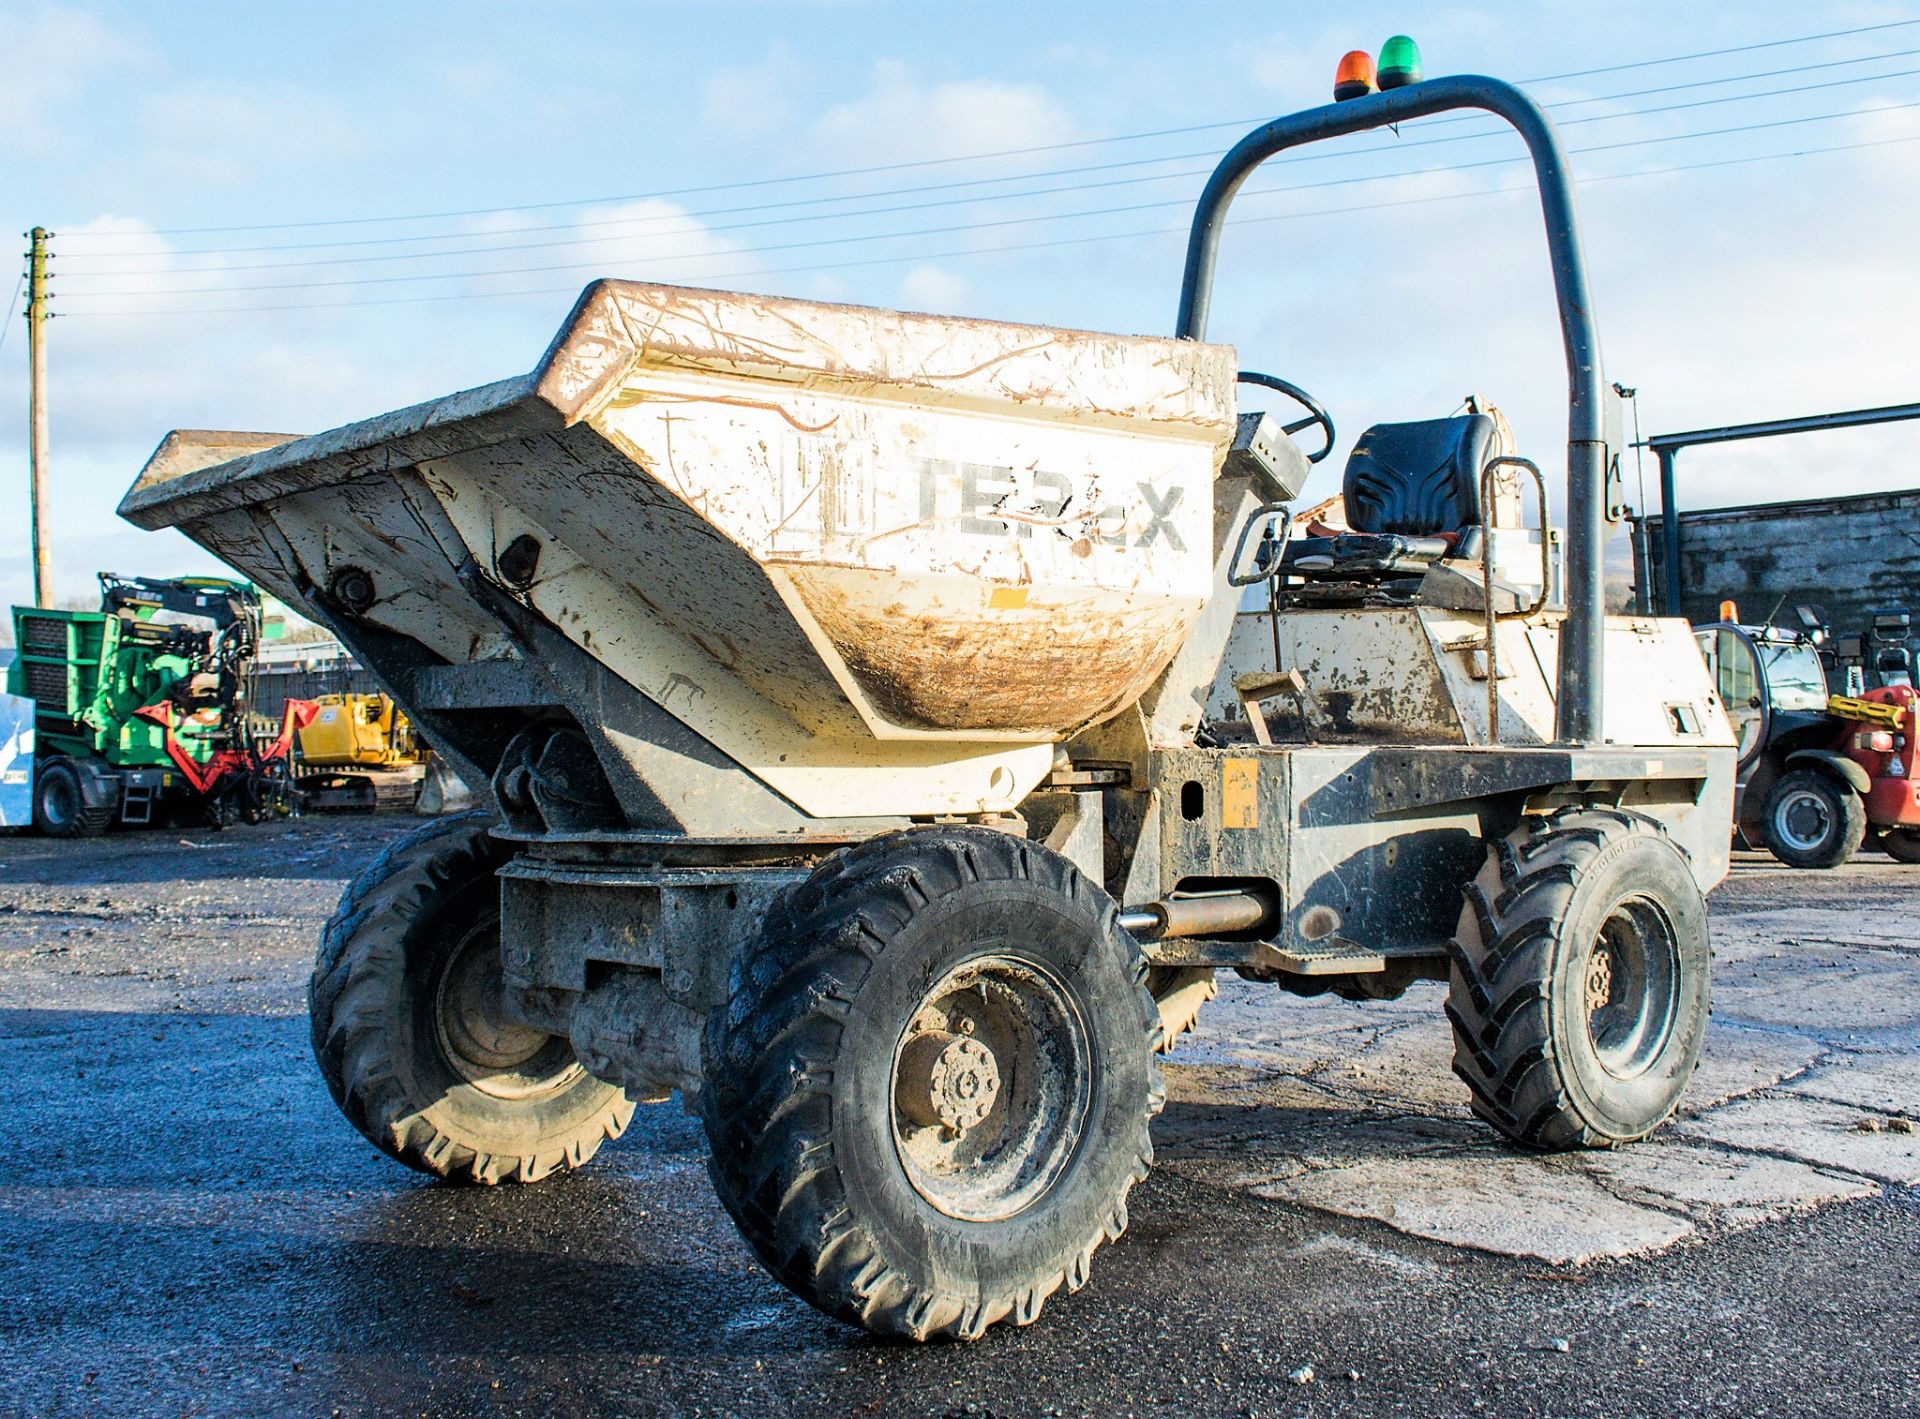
(137, 703)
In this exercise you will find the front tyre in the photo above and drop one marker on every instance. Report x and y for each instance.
(409, 1031)
(929, 1092)
(1812, 819)
(1579, 981)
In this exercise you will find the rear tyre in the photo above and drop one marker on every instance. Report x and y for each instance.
(1902, 844)
(1812, 819)
(1579, 981)
(60, 807)
(929, 1093)
(1179, 992)
(410, 1036)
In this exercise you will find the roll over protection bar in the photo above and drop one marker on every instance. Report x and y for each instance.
(1577, 718)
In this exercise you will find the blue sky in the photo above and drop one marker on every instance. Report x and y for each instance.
(660, 141)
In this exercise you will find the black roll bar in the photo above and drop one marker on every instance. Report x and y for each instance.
(1578, 702)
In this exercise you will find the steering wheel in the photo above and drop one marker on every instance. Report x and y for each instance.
(1315, 413)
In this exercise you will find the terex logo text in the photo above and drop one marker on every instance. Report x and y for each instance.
(998, 502)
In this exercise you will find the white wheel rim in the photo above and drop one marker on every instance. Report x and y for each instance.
(1804, 820)
(992, 1081)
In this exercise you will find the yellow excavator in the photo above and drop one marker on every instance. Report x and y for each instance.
(358, 754)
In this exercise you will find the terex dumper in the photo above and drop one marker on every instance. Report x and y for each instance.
(839, 676)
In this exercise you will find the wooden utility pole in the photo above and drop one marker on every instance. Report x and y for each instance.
(37, 408)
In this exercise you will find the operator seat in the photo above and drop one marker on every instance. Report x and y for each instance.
(1412, 495)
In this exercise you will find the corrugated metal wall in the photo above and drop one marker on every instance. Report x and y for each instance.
(273, 687)
(1851, 556)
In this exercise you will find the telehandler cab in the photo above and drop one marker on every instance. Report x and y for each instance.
(840, 677)
(1819, 773)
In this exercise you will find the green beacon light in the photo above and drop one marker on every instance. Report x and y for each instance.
(1399, 63)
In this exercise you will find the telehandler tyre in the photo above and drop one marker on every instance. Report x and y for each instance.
(1580, 981)
(1902, 844)
(1812, 819)
(409, 1035)
(929, 1093)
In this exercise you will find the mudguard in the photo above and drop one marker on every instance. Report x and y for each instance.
(1832, 759)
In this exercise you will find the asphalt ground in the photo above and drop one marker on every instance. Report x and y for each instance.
(188, 1227)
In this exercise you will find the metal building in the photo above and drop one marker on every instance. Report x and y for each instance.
(1850, 556)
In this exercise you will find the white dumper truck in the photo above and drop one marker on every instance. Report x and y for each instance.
(839, 682)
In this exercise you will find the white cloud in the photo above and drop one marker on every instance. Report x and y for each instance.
(475, 78)
(654, 240)
(824, 286)
(903, 117)
(757, 100)
(207, 133)
(113, 255)
(935, 288)
(53, 53)
(1297, 68)
(119, 381)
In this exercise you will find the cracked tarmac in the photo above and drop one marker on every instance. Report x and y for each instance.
(188, 1227)
(1810, 1071)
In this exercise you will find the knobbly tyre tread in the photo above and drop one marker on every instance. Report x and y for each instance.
(348, 1012)
(767, 1098)
(1501, 957)
(1179, 992)
(88, 823)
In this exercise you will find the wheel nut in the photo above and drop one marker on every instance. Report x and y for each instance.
(1599, 978)
(946, 1081)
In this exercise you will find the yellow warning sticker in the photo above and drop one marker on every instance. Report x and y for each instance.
(1239, 793)
(1007, 598)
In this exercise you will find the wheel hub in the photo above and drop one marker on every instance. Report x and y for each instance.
(992, 1080)
(1804, 820)
(1599, 977)
(483, 1046)
(947, 1081)
(1631, 988)
(59, 803)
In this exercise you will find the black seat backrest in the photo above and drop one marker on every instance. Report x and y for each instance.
(1420, 478)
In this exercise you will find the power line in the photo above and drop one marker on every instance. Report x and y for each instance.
(1046, 191)
(976, 251)
(347, 282)
(7, 324)
(1079, 170)
(1718, 53)
(978, 157)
